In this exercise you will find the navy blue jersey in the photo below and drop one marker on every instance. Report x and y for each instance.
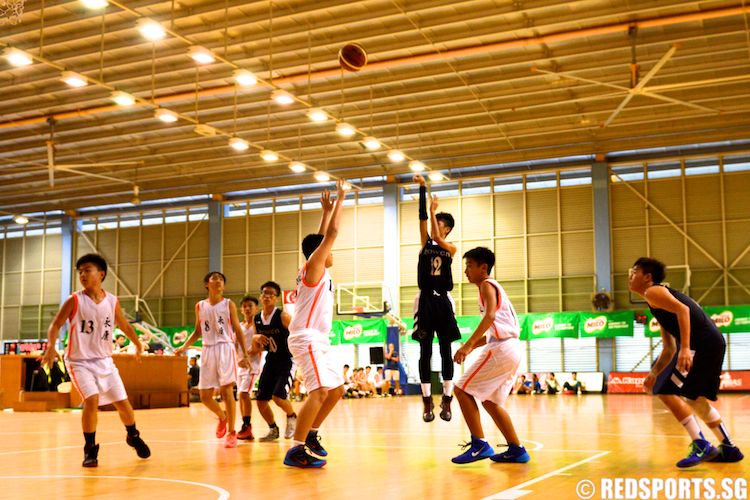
(434, 268)
(276, 331)
(704, 335)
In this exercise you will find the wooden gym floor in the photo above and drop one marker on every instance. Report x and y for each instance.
(379, 448)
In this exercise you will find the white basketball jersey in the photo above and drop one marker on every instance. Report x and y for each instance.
(313, 308)
(249, 330)
(505, 326)
(214, 321)
(90, 327)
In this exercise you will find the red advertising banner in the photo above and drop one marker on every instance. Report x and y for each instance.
(632, 382)
(290, 297)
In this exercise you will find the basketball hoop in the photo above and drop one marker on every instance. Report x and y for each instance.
(11, 11)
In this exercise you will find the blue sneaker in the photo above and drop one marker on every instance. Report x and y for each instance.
(515, 454)
(298, 457)
(700, 451)
(728, 453)
(313, 444)
(478, 450)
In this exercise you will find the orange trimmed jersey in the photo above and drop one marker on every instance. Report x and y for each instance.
(505, 325)
(91, 327)
(215, 322)
(313, 308)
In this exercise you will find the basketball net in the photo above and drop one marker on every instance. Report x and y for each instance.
(11, 11)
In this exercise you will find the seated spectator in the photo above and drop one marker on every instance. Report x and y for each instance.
(120, 344)
(381, 384)
(535, 384)
(522, 386)
(574, 386)
(194, 373)
(553, 386)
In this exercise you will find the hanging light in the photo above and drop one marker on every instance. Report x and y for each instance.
(321, 176)
(345, 130)
(17, 57)
(166, 116)
(297, 167)
(396, 156)
(269, 155)
(436, 176)
(74, 79)
(282, 97)
(21, 219)
(94, 4)
(201, 55)
(317, 115)
(136, 196)
(371, 143)
(150, 29)
(416, 166)
(123, 98)
(245, 78)
(239, 144)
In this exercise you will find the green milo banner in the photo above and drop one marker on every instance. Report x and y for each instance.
(606, 324)
(730, 319)
(550, 325)
(367, 331)
(466, 325)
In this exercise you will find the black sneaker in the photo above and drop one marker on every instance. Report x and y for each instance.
(445, 408)
(427, 414)
(313, 443)
(141, 448)
(298, 457)
(90, 456)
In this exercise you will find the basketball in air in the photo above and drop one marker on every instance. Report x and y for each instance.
(352, 57)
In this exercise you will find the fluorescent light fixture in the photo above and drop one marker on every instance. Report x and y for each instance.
(416, 166)
(123, 98)
(94, 4)
(269, 155)
(321, 176)
(371, 143)
(239, 144)
(317, 115)
(17, 57)
(297, 167)
(345, 130)
(282, 97)
(396, 156)
(436, 176)
(201, 55)
(150, 29)
(245, 78)
(74, 79)
(166, 116)
(21, 219)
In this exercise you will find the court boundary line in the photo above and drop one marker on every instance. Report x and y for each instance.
(518, 489)
(223, 494)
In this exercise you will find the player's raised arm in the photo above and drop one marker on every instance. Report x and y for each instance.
(423, 217)
(316, 264)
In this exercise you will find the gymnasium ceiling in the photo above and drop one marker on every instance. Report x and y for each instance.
(451, 83)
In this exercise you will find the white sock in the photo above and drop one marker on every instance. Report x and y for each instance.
(447, 387)
(297, 443)
(426, 388)
(692, 427)
(722, 434)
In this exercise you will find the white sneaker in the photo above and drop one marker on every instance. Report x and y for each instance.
(291, 426)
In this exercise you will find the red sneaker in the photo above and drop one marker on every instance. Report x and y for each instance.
(246, 433)
(221, 429)
(231, 441)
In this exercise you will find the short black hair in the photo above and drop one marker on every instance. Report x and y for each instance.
(310, 243)
(95, 259)
(446, 218)
(574, 373)
(481, 255)
(208, 277)
(249, 298)
(346, 366)
(655, 268)
(271, 284)
(552, 373)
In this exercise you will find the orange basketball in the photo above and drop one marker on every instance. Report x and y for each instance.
(352, 57)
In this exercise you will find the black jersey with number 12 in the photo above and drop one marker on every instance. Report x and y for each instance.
(434, 268)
